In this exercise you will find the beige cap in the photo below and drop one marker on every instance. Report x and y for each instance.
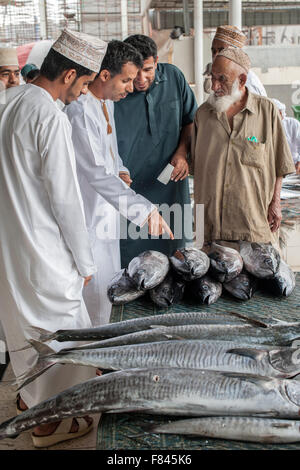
(236, 55)
(81, 48)
(231, 35)
(8, 56)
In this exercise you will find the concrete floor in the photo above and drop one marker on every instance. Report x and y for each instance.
(24, 442)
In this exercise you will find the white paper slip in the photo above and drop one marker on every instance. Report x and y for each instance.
(165, 175)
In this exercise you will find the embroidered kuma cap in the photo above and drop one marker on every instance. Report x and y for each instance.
(8, 56)
(231, 35)
(81, 48)
(236, 55)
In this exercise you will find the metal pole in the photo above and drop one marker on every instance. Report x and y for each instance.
(186, 17)
(124, 19)
(198, 52)
(235, 13)
(43, 19)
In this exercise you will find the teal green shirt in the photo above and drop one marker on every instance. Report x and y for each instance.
(148, 129)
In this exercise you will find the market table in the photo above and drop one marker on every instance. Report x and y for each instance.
(126, 431)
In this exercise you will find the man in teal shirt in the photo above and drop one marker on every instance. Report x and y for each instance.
(154, 125)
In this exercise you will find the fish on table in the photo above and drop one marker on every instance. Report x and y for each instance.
(237, 428)
(190, 263)
(122, 289)
(166, 391)
(148, 269)
(168, 292)
(205, 289)
(225, 263)
(283, 282)
(139, 324)
(227, 356)
(242, 287)
(260, 259)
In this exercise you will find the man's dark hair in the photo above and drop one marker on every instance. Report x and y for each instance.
(55, 64)
(145, 45)
(118, 54)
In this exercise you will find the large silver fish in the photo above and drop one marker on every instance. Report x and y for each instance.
(168, 292)
(122, 289)
(260, 259)
(205, 289)
(139, 324)
(166, 391)
(237, 428)
(281, 334)
(284, 281)
(225, 263)
(242, 287)
(227, 356)
(148, 269)
(191, 263)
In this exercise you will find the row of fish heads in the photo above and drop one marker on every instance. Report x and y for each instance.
(202, 276)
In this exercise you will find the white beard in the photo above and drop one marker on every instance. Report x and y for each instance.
(222, 103)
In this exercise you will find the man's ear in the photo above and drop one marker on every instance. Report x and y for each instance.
(69, 76)
(242, 79)
(105, 75)
(156, 61)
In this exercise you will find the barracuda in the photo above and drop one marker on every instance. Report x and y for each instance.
(171, 391)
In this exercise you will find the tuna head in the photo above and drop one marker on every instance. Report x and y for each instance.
(206, 289)
(122, 289)
(284, 281)
(148, 269)
(168, 292)
(292, 390)
(260, 259)
(242, 287)
(225, 263)
(191, 263)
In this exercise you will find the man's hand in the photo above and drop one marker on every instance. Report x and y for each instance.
(157, 225)
(125, 177)
(87, 280)
(274, 215)
(181, 169)
(297, 166)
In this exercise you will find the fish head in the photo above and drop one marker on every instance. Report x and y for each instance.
(286, 360)
(292, 390)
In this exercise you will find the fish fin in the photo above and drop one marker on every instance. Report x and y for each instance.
(41, 348)
(173, 336)
(155, 326)
(253, 353)
(136, 409)
(253, 321)
(256, 379)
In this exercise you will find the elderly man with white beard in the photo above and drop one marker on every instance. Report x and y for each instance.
(239, 157)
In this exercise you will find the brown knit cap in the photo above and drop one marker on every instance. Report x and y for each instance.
(236, 55)
(231, 35)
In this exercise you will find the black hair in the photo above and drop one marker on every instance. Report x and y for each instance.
(118, 54)
(33, 74)
(55, 64)
(145, 45)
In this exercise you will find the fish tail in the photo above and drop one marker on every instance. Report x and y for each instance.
(44, 361)
(44, 335)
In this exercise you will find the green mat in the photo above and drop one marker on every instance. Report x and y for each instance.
(126, 431)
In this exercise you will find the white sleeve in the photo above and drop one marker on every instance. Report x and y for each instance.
(90, 163)
(60, 179)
